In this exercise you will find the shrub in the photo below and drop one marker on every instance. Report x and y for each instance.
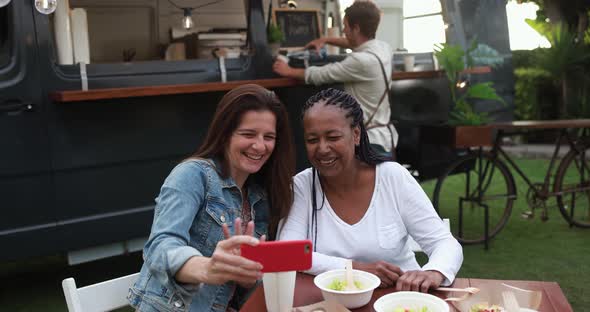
(525, 58)
(527, 102)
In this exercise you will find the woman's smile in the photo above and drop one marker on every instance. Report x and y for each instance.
(327, 162)
(253, 156)
(329, 139)
(251, 144)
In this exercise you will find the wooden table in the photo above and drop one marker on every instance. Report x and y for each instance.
(306, 293)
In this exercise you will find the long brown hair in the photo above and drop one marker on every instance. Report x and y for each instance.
(276, 174)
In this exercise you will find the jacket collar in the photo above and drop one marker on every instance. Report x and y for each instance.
(255, 191)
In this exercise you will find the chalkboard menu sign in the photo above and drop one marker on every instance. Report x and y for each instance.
(299, 26)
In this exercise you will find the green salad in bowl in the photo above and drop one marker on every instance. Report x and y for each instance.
(410, 301)
(333, 286)
(340, 285)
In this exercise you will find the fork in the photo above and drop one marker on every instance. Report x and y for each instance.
(468, 290)
(458, 298)
(471, 290)
(510, 301)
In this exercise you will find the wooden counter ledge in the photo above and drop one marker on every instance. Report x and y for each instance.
(127, 92)
(118, 93)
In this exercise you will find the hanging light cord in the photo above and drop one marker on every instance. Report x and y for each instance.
(197, 7)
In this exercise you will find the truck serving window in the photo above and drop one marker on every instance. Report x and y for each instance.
(5, 35)
(139, 31)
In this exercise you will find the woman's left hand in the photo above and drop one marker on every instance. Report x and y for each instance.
(419, 281)
(238, 231)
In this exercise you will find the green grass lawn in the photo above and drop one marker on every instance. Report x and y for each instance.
(35, 285)
(532, 249)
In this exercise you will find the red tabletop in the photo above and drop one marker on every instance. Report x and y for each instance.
(306, 293)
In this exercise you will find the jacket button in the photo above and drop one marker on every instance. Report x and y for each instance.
(222, 218)
(178, 304)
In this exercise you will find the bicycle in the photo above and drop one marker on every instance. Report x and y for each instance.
(481, 185)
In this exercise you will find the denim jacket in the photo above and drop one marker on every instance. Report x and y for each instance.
(193, 204)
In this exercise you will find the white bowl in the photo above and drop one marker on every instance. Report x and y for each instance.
(411, 300)
(350, 299)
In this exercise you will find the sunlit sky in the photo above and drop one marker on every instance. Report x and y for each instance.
(522, 36)
(431, 29)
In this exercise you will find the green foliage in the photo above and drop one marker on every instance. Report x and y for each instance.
(565, 61)
(483, 91)
(275, 35)
(565, 55)
(542, 27)
(525, 58)
(529, 249)
(528, 104)
(463, 115)
(579, 102)
(452, 59)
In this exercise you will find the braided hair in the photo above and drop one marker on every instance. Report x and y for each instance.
(364, 152)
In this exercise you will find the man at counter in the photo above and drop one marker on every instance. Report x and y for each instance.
(365, 72)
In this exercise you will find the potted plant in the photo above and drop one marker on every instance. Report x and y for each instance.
(466, 124)
(275, 37)
(452, 59)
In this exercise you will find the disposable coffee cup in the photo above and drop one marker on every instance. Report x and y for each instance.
(409, 63)
(279, 289)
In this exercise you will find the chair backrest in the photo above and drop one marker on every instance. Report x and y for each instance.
(103, 296)
(415, 247)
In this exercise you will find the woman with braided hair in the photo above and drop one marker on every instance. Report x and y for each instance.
(355, 204)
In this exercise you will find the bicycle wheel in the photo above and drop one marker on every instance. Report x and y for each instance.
(572, 183)
(459, 186)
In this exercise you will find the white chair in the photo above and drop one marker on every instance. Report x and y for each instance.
(103, 296)
(415, 247)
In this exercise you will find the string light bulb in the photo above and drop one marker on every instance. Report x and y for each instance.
(46, 6)
(187, 19)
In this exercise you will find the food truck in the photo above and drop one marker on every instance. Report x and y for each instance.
(100, 99)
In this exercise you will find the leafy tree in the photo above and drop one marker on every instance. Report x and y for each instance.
(573, 13)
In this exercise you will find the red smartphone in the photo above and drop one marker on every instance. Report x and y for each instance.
(280, 256)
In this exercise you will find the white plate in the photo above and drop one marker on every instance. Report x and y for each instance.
(410, 299)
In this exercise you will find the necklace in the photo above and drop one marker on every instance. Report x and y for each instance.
(246, 213)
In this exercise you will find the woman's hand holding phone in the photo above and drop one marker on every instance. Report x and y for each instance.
(236, 248)
(226, 263)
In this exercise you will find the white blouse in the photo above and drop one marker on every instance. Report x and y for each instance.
(399, 207)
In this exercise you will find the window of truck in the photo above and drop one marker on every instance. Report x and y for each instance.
(122, 37)
(5, 35)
